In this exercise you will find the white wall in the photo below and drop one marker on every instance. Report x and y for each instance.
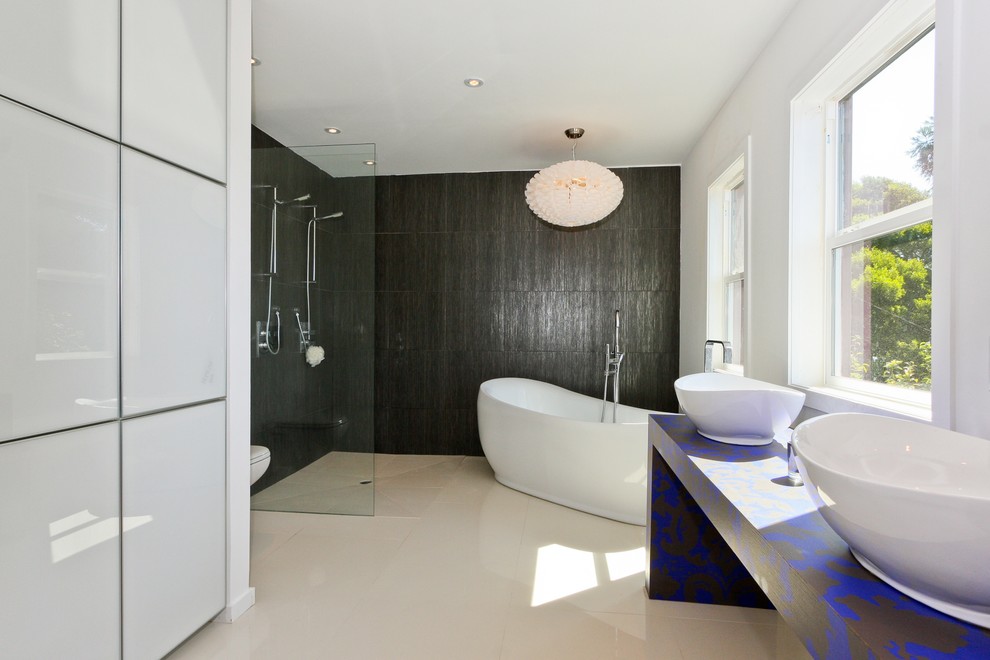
(760, 107)
(961, 336)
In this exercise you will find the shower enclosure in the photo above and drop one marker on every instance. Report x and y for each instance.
(312, 375)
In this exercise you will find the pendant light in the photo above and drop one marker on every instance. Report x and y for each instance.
(575, 192)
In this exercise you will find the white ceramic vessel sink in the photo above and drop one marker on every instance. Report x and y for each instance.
(735, 409)
(911, 500)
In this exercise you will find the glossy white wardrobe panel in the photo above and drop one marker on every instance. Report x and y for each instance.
(62, 57)
(59, 545)
(173, 285)
(174, 477)
(58, 274)
(174, 85)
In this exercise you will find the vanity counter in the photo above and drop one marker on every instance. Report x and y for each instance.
(724, 529)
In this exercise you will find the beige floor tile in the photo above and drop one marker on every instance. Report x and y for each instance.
(393, 465)
(574, 634)
(404, 502)
(455, 565)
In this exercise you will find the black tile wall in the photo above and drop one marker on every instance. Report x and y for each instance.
(470, 285)
(302, 412)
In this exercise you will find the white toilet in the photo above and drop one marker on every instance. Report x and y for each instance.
(260, 458)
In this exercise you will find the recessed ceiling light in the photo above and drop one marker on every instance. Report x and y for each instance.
(369, 162)
(255, 61)
(332, 130)
(474, 82)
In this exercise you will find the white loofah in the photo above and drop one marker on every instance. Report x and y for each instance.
(315, 355)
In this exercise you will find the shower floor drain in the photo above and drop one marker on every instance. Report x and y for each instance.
(365, 482)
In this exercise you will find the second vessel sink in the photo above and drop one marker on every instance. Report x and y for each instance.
(735, 409)
(911, 500)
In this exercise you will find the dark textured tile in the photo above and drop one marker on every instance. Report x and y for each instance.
(345, 262)
(352, 319)
(599, 318)
(462, 374)
(474, 320)
(581, 372)
(409, 378)
(529, 261)
(382, 439)
(415, 320)
(352, 396)
(577, 371)
(414, 204)
(649, 321)
(546, 320)
(474, 261)
(527, 364)
(471, 202)
(595, 264)
(382, 314)
(409, 262)
(460, 432)
(416, 431)
(640, 381)
(403, 432)
(356, 197)
(645, 188)
(652, 260)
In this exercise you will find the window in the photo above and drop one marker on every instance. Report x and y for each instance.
(861, 217)
(727, 212)
(880, 247)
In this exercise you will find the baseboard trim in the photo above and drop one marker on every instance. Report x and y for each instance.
(234, 610)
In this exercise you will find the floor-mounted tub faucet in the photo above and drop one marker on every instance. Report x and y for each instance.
(613, 360)
(726, 352)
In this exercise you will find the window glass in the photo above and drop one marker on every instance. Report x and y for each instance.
(734, 307)
(735, 231)
(884, 314)
(887, 134)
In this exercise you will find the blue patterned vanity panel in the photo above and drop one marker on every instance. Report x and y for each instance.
(835, 606)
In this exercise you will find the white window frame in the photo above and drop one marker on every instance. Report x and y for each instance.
(731, 174)
(813, 230)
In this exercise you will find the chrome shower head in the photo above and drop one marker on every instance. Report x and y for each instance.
(301, 198)
(338, 214)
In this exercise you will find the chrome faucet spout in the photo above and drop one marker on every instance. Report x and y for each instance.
(726, 352)
(793, 473)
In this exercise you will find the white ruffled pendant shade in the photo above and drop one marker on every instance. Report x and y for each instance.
(575, 192)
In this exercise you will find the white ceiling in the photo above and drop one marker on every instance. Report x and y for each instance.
(642, 77)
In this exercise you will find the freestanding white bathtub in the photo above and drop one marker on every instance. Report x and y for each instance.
(547, 441)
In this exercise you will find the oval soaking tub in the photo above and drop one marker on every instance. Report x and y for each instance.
(735, 409)
(548, 442)
(911, 500)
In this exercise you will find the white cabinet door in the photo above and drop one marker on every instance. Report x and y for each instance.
(173, 81)
(58, 274)
(59, 545)
(173, 467)
(173, 279)
(62, 57)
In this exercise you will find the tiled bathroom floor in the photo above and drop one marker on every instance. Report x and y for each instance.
(339, 482)
(455, 565)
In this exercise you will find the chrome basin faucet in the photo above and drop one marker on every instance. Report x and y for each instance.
(726, 352)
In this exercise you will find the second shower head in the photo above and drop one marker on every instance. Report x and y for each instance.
(301, 198)
(338, 214)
